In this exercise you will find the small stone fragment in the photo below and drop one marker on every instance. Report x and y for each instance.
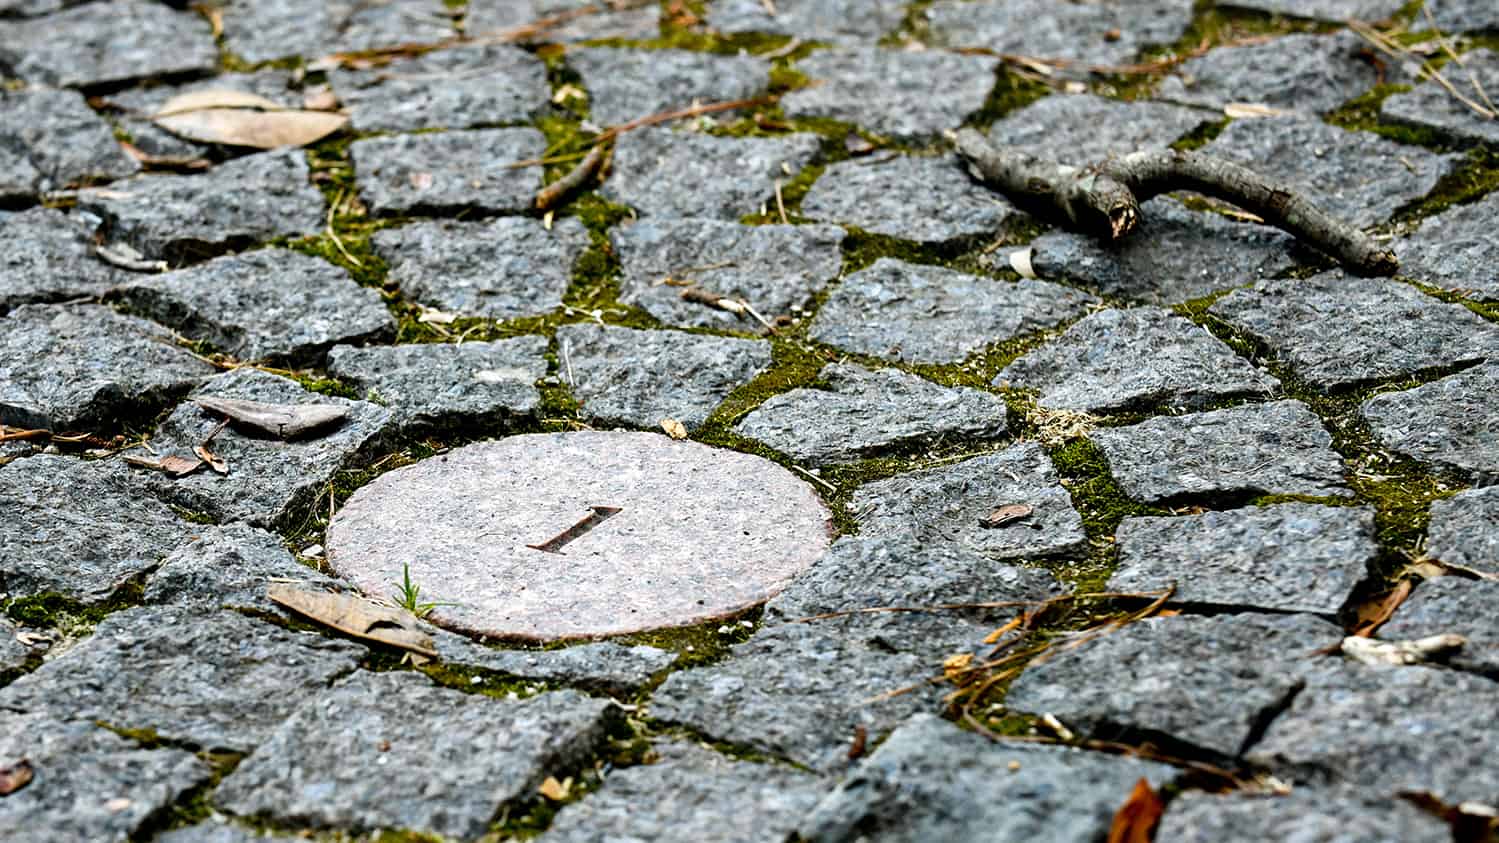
(59, 142)
(1121, 359)
(1386, 329)
(1084, 129)
(96, 44)
(1292, 557)
(862, 412)
(934, 781)
(1455, 250)
(944, 505)
(1279, 448)
(691, 793)
(447, 172)
(776, 269)
(46, 256)
(217, 679)
(1465, 530)
(1304, 815)
(624, 84)
(925, 314)
(72, 367)
(928, 200)
(1358, 177)
(235, 205)
(459, 88)
(61, 532)
(440, 385)
(558, 21)
(1092, 33)
(502, 269)
(905, 95)
(1203, 681)
(665, 173)
(1301, 72)
(401, 752)
(261, 30)
(270, 304)
(1452, 423)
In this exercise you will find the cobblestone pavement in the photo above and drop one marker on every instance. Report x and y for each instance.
(1211, 406)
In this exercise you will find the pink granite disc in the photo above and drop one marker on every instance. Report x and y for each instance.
(701, 533)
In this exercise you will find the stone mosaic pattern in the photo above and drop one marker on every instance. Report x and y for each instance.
(1097, 33)
(662, 173)
(449, 170)
(1453, 250)
(900, 94)
(98, 44)
(1328, 10)
(450, 89)
(928, 200)
(838, 21)
(1082, 129)
(1305, 73)
(629, 20)
(53, 140)
(624, 84)
(258, 31)
(1465, 530)
(1451, 424)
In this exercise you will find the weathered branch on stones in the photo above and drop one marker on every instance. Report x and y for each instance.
(1105, 201)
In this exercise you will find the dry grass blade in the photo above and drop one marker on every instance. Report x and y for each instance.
(1397, 50)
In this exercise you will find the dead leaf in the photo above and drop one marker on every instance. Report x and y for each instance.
(555, 790)
(1137, 817)
(214, 98)
(356, 616)
(1020, 261)
(15, 775)
(252, 128)
(212, 460)
(674, 428)
(283, 420)
(1243, 110)
(1373, 613)
(1007, 514)
(1433, 648)
(171, 464)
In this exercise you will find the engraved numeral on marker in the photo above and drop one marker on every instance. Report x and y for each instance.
(599, 515)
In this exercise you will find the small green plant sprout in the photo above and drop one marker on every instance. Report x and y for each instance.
(409, 597)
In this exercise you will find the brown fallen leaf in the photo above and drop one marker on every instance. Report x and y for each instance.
(171, 464)
(356, 616)
(210, 459)
(284, 420)
(859, 744)
(674, 428)
(15, 775)
(1006, 514)
(1137, 817)
(253, 128)
(1373, 613)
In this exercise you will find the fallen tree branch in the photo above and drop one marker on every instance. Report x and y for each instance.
(553, 194)
(1105, 201)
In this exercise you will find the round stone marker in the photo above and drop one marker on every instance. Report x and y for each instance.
(580, 535)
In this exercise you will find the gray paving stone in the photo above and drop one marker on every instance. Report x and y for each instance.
(1455, 250)
(46, 256)
(1451, 424)
(944, 505)
(926, 314)
(1203, 681)
(228, 567)
(449, 171)
(217, 680)
(269, 480)
(1120, 359)
(441, 385)
(1301, 72)
(1465, 530)
(272, 304)
(624, 83)
(928, 200)
(1447, 605)
(100, 43)
(59, 142)
(1460, 15)
(837, 21)
(1304, 815)
(605, 667)
(261, 30)
(237, 204)
(776, 268)
(448, 89)
(862, 412)
(904, 95)
(1173, 256)
(82, 772)
(130, 110)
(690, 795)
(501, 269)
(1386, 329)
(1336, 11)
(934, 781)
(14, 655)
(1279, 448)
(34, 8)
(73, 367)
(632, 21)
(664, 173)
(62, 530)
(864, 572)
(447, 772)
(1358, 177)
(625, 376)
(1292, 557)
(209, 832)
(1387, 729)
(1096, 33)
(1082, 129)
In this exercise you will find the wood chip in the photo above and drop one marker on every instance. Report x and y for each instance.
(15, 775)
(282, 420)
(1007, 514)
(356, 616)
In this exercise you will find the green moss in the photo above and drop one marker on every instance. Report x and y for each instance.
(67, 615)
(1200, 136)
(700, 644)
(1011, 92)
(1096, 496)
(193, 515)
